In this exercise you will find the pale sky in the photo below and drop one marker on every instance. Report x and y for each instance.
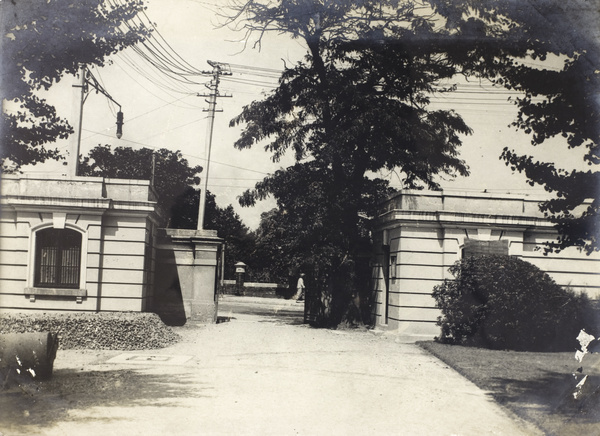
(174, 118)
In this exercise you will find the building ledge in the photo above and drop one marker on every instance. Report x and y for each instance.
(55, 292)
(449, 219)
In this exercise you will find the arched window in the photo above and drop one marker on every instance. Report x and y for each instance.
(57, 258)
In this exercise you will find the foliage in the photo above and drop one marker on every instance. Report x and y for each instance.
(239, 241)
(556, 102)
(41, 42)
(171, 173)
(357, 104)
(174, 182)
(503, 302)
(303, 233)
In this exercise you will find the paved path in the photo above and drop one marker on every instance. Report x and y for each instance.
(264, 375)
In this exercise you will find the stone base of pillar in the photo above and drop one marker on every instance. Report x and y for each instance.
(196, 256)
(201, 311)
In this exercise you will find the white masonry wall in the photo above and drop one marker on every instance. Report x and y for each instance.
(424, 233)
(116, 219)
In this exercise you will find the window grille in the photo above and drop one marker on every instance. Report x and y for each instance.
(58, 258)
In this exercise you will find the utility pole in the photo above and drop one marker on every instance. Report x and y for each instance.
(218, 70)
(80, 95)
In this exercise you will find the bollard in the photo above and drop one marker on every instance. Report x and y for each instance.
(32, 354)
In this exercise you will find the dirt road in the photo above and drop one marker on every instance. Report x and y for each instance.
(257, 375)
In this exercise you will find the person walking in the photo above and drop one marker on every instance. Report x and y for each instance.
(300, 289)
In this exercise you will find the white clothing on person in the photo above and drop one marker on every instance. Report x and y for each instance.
(299, 289)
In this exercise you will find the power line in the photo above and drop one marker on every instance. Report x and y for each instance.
(175, 74)
(191, 156)
(159, 52)
(174, 128)
(153, 82)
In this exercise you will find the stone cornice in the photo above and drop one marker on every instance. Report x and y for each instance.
(446, 219)
(42, 204)
(168, 237)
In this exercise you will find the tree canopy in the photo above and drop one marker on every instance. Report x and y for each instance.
(359, 103)
(171, 173)
(549, 52)
(41, 42)
(175, 183)
(356, 104)
(562, 103)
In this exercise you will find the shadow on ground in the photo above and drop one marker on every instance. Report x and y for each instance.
(25, 402)
(280, 316)
(549, 402)
(538, 387)
(553, 391)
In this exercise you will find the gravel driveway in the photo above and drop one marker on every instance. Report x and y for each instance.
(257, 375)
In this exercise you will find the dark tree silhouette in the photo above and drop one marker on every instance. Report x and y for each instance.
(42, 41)
(174, 182)
(171, 173)
(359, 103)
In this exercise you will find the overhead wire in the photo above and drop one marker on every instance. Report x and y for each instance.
(184, 154)
(109, 103)
(248, 82)
(193, 69)
(157, 81)
(166, 57)
(129, 120)
(169, 70)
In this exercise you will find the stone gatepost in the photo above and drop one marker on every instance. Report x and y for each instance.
(196, 254)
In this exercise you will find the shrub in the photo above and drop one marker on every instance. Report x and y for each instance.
(503, 302)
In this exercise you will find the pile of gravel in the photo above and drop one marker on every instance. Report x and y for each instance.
(95, 331)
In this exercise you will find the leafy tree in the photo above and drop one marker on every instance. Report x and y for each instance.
(174, 181)
(271, 254)
(300, 235)
(239, 241)
(172, 173)
(358, 103)
(518, 45)
(561, 103)
(41, 42)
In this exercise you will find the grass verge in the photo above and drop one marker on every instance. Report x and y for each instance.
(538, 387)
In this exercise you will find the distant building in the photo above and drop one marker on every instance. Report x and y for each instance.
(420, 234)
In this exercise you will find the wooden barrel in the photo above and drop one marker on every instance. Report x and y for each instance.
(30, 354)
